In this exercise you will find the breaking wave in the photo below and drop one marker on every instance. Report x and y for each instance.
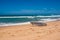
(43, 19)
(28, 16)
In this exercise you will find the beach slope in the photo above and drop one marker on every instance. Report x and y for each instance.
(31, 32)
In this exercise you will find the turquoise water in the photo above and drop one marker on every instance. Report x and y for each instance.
(14, 20)
(21, 19)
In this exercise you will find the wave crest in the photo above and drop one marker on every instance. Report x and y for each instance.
(29, 16)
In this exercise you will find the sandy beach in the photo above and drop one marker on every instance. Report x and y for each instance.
(31, 32)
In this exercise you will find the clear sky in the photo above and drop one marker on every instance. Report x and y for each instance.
(20, 7)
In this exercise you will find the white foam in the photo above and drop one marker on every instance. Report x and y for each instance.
(12, 24)
(50, 16)
(43, 20)
(49, 20)
(17, 17)
(29, 16)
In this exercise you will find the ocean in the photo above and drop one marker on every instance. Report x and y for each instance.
(19, 20)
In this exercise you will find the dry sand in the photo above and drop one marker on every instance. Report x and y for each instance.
(31, 32)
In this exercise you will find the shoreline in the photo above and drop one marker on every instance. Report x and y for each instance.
(31, 32)
(14, 24)
(24, 23)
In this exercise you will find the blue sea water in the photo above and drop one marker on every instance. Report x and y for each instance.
(22, 19)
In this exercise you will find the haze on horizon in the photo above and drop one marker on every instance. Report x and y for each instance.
(29, 7)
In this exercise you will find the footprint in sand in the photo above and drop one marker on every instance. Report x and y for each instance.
(31, 28)
(12, 35)
(38, 32)
(50, 31)
(9, 33)
(58, 30)
(38, 36)
(18, 31)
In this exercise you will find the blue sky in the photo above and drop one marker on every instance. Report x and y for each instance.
(18, 7)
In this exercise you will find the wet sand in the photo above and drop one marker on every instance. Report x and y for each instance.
(31, 32)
